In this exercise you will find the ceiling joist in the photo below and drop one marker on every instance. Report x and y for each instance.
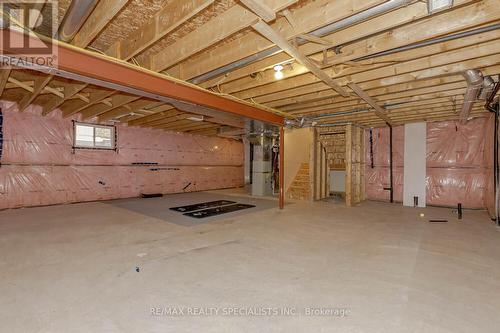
(268, 32)
(403, 64)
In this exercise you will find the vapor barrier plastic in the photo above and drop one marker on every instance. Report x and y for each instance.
(377, 179)
(489, 191)
(456, 166)
(40, 166)
(455, 163)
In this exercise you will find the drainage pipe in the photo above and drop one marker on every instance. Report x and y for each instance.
(76, 15)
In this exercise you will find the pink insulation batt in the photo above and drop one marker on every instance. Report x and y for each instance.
(40, 166)
(459, 165)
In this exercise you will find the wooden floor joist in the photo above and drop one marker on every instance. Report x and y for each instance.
(160, 25)
(222, 26)
(4, 78)
(219, 45)
(318, 13)
(379, 111)
(100, 68)
(104, 12)
(268, 32)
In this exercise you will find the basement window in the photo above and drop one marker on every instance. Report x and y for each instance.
(92, 136)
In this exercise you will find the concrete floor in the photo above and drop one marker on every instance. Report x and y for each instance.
(73, 269)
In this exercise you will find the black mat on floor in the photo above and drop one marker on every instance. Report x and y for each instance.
(218, 211)
(203, 205)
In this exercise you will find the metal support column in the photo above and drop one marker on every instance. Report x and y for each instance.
(282, 168)
(391, 174)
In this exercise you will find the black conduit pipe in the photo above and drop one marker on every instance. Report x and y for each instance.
(371, 148)
(391, 175)
(495, 167)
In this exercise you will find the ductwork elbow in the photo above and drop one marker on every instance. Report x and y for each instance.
(475, 82)
(488, 87)
(295, 123)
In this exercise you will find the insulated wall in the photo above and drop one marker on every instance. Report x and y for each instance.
(489, 197)
(377, 179)
(457, 171)
(40, 166)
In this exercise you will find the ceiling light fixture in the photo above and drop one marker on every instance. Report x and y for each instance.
(434, 6)
(278, 72)
(196, 118)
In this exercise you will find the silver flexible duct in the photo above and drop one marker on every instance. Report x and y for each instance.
(475, 81)
(76, 15)
(488, 87)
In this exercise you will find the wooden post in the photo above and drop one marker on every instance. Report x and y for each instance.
(282, 168)
(354, 165)
(362, 165)
(320, 171)
(349, 166)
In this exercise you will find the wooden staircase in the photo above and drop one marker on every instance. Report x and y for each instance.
(300, 189)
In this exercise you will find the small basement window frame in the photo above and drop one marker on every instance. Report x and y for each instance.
(92, 145)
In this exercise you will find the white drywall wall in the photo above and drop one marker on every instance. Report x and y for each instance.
(337, 181)
(298, 143)
(415, 164)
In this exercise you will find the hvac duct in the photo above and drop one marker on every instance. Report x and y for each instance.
(478, 87)
(297, 123)
(488, 87)
(78, 12)
(475, 81)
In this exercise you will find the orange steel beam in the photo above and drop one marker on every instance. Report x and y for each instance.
(103, 68)
(282, 168)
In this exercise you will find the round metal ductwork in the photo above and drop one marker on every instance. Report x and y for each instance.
(76, 15)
